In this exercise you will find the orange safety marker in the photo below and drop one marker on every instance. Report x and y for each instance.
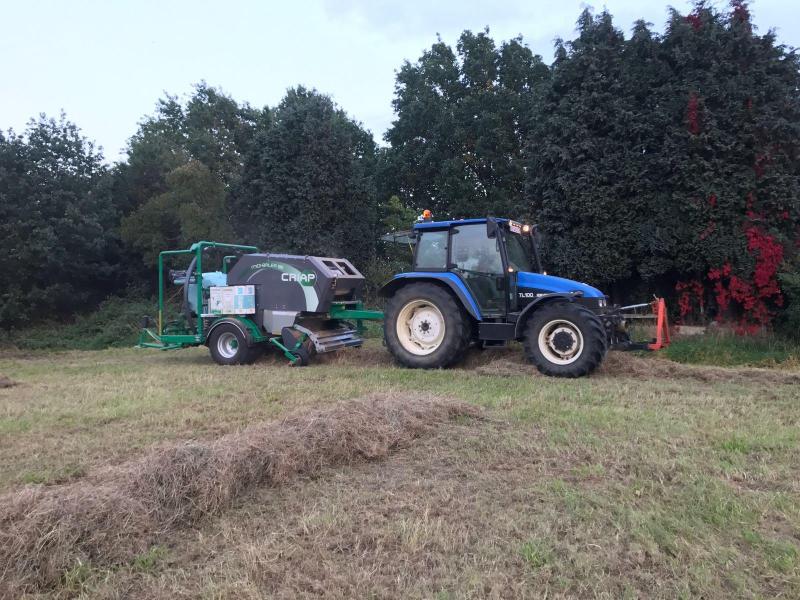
(662, 325)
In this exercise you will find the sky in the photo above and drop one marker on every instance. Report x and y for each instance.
(106, 62)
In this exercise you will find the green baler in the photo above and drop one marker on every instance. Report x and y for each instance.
(302, 305)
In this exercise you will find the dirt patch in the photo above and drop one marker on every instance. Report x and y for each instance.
(5, 382)
(376, 355)
(620, 364)
(507, 367)
(372, 354)
(113, 515)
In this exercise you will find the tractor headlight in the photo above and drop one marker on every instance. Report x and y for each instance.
(601, 303)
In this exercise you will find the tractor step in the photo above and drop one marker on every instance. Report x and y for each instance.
(328, 336)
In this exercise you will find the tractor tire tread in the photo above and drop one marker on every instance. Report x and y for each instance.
(594, 336)
(458, 329)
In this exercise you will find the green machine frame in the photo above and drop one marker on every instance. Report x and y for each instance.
(171, 336)
(170, 340)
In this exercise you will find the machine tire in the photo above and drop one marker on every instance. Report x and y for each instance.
(228, 346)
(577, 327)
(435, 302)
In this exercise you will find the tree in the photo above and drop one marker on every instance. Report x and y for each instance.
(462, 121)
(670, 164)
(307, 185)
(731, 160)
(583, 158)
(191, 209)
(212, 129)
(179, 152)
(58, 247)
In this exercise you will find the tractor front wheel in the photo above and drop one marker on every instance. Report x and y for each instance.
(564, 339)
(424, 327)
(228, 346)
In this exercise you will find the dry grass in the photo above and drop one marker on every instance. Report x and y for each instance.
(115, 514)
(510, 363)
(620, 365)
(648, 479)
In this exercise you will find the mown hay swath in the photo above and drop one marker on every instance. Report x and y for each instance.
(118, 512)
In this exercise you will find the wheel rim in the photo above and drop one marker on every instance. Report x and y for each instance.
(227, 345)
(420, 327)
(561, 342)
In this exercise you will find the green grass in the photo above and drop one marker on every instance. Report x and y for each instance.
(60, 474)
(147, 562)
(624, 484)
(537, 553)
(728, 350)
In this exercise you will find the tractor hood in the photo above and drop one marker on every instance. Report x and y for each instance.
(551, 284)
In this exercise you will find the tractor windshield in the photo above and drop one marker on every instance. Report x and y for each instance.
(520, 252)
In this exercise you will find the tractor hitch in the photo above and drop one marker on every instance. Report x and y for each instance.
(616, 322)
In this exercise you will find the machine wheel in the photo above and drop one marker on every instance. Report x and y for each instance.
(565, 340)
(228, 346)
(424, 327)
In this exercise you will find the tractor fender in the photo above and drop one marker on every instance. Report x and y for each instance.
(450, 280)
(236, 323)
(519, 329)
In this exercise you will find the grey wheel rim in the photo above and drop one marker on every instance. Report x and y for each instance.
(227, 345)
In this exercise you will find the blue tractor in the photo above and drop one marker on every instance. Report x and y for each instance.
(481, 281)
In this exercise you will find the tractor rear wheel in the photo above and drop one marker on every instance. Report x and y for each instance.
(228, 346)
(564, 339)
(424, 327)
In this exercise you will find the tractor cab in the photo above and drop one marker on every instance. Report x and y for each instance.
(485, 254)
(497, 260)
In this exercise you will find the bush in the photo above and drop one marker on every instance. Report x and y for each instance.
(788, 322)
(114, 324)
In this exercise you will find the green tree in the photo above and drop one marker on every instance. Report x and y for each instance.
(212, 129)
(395, 216)
(307, 185)
(58, 247)
(183, 150)
(583, 158)
(192, 208)
(671, 162)
(730, 160)
(462, 120)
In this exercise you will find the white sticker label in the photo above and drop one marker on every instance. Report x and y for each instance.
(232, 300)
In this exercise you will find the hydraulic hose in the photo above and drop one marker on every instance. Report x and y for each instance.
(187, 310)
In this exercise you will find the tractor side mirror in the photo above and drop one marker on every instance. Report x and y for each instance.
(491, 228)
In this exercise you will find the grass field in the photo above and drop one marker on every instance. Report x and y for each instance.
(649, 479)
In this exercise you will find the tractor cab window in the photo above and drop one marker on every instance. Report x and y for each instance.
(476, 258)
(520, 253)
(432, 250)
(474, 251)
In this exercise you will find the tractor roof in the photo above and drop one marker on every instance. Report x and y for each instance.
(443, 224)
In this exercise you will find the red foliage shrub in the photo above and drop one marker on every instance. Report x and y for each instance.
(687, 292)
(752, 295)
(695, 21)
